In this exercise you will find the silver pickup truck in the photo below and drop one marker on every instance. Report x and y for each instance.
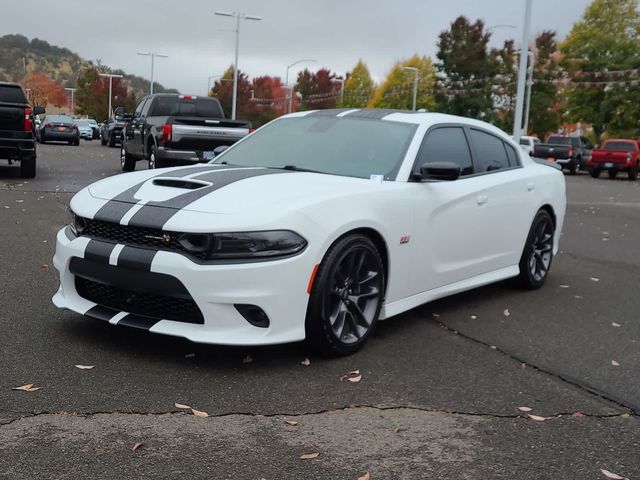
(172, 129)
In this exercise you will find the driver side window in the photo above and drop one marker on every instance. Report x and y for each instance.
(446, 144)
(139, 108)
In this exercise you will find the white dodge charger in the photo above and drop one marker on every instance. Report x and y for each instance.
(314, 227)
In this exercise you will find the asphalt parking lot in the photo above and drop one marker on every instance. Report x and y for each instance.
(440, 389)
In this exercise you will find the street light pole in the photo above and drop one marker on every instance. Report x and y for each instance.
(416, 78)
(522, 73)
(341, 80)
(73, 91)
(238, 16)
(529, 88)
(111, 76)
(290, 88)
(153, 55)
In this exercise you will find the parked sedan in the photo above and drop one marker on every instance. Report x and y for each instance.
(59, 128)
(85, 129)
(316, 226)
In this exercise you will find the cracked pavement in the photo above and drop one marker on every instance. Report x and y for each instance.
(450, 382)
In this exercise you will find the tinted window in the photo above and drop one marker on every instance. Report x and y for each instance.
(353, 147)
(447, 144)
(12, 94)
(147, 105)
(489, 150)
(139, 107)
(620, 146)
(193, 106)
(58, 119)
(525, 141)
(513, 156)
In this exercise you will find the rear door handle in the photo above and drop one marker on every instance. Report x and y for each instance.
(482, 199)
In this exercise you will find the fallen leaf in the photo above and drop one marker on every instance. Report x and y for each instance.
(523, 365)
(538, 418)
(85, 367)
(198, 413)
(309, 456)
(564, 286)
(435, 315)
(353, 376)
(398, 430)
(577, 414)
(44, 265)
(190, 355)
(614, 363)
(595, 279)
(611, 475)
(293, 423)
(27, 388)
(473, 317)
(247, 359)
(614, 324)
(506, 312)
(577, 296)
(525, 409)
(182, 406)
(136, 446)
(366, 476)
(493, 347)
(306, 362)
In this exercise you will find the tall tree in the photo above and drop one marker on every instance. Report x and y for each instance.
(546, 106)
(606, 38)
(466, 70)
(359, 87)
(92, 96)
(318, 90)
(223, 91)
(44, 91)
(268, 100)
(396, 91)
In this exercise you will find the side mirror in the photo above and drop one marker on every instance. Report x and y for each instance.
(440, 171)
(39, 110)
(218, 150)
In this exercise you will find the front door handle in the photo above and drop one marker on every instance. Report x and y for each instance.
(482, 199)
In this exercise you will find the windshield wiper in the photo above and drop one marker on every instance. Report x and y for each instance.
(297, 169)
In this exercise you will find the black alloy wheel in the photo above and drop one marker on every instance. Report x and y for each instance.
(127, 162)
(537, 255)
(346, 296)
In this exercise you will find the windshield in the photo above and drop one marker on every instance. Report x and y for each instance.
(352, 147)
(83, 123)
(619, 146)
(187, 106)
(58, 119)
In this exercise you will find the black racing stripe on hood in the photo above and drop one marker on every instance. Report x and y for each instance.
(100, 312)
(156, 214)
(99, 252)
(118, 206)
(137, 321)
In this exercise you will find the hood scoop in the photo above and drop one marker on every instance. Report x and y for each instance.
(186, 184)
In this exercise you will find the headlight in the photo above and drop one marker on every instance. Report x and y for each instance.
(77, 224)
(227, 246)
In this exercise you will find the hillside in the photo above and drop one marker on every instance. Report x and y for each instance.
(61, 64)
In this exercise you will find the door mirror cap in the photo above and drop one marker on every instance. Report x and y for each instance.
(448, 171)
(39, 110)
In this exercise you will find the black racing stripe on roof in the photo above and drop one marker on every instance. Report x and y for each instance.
(156, 214)
(118, 206)
(368, 113)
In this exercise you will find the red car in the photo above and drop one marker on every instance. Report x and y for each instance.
(616, 155)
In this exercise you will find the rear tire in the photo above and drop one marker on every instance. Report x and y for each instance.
(537, 255)
(613, 173)
(573, 168)
(153, 158)
(127, 162)
(28, 167)
(346, 297)
(595, 173)
(112, 140)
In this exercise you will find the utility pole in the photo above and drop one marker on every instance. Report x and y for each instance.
(290, 88)
(153, 55)
(238, 17)
(522, 73)
(532, 61)
(416, 78)
(341, 81)
(73, 91)
(111, 76)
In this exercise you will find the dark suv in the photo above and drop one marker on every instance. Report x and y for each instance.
(17, 128)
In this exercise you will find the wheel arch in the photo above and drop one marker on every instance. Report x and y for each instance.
(549, 209)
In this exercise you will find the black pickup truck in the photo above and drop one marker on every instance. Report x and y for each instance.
(17, 128)
(111, 130)
(172, 129)
(572, 153)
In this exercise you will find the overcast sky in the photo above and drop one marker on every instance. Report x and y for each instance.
(334, 32)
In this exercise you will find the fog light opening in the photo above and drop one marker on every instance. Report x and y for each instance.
(254, 315)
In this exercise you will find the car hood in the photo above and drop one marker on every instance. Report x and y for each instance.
(224, 189)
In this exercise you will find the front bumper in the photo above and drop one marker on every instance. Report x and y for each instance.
(278, 287)
(60, 136)
(88, 135)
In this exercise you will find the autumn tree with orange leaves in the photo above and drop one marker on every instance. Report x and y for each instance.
(44, 91)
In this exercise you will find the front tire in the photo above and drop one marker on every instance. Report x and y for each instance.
(595, 173)
(153, 158)
(112, 140)
(127, 162)
(346, 297)
(537, 255)
(633, 173)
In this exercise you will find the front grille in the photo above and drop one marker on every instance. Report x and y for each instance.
(136, 236)
(141, 303)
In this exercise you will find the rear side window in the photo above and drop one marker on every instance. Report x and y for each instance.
(447, 144)
(139, 107)
(489, 151)
(194, 107)
(12, 94)
(512, 155)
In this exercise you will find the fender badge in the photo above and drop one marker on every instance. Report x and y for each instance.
(405, 239)
(166, 238)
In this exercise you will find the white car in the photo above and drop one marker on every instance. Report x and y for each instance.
(316, 226)
(528, 143)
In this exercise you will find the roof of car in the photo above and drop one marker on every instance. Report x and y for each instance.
(10, 84)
